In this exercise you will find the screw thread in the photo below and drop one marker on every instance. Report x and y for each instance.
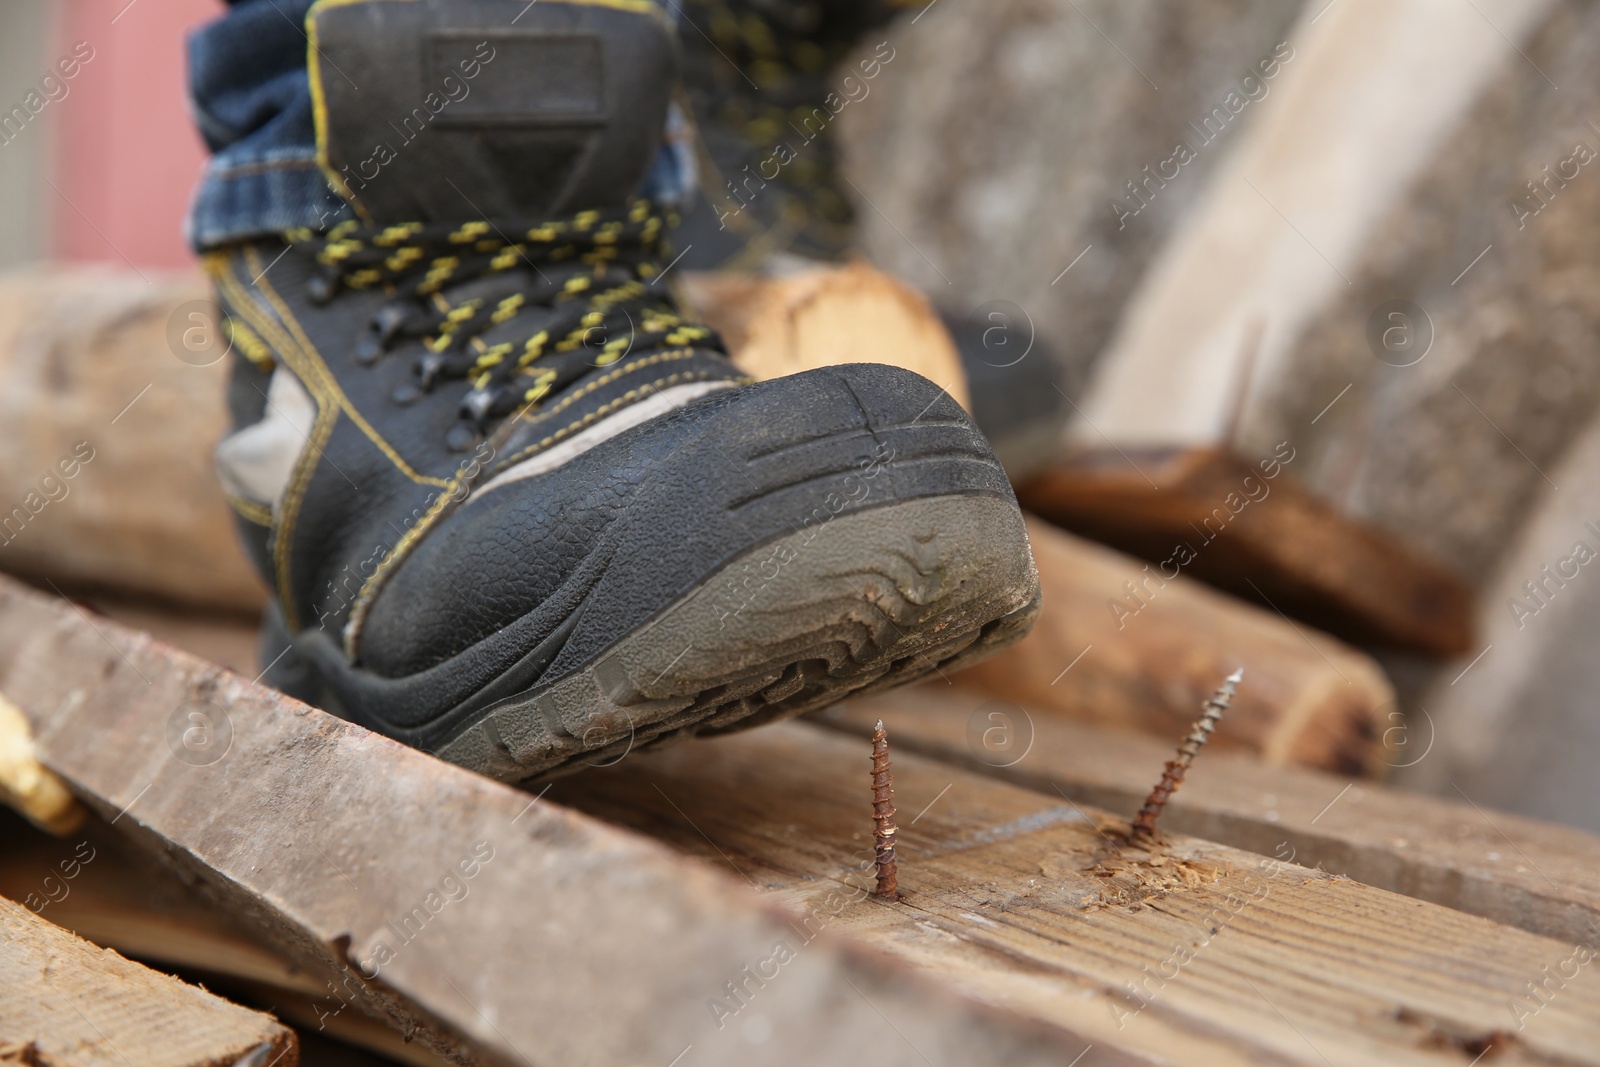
(1144, 824)
(883, 826)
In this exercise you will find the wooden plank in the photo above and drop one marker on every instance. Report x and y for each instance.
(1261, 537)
(122, 899)
(228, 640)
(1192, 952)
(1521, 872)
(1099, 656)
(102, 889)
(487, 923)
(312, 1013)
(66, 1002)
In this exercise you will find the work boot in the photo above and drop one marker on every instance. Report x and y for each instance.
(514, 509)
(767, 81)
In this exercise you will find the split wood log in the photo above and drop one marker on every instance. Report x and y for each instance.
(66, 1002)
(1396, 268)
(786, 323)
(1118, 645)
(105, 465)
(1516, 871)
(1189, 952)
(1204, 512)
(489, 924)
(112, 395)
(1010, 150)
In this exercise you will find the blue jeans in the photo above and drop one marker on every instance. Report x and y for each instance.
(251, 97)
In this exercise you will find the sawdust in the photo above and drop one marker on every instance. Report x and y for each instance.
(1129, 874)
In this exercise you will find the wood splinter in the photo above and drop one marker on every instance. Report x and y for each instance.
(883, 827)
(1144, 824)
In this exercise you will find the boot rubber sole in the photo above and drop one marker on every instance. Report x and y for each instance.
(863, 602)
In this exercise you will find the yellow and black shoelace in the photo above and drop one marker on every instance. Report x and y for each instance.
(449, 284)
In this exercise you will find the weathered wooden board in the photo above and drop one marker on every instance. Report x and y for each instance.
(1192, 952)
(1521, 872)
(1209, 514)
(67, 1003)
(1019, 901)
(121, 898)
(484, 921)
(1118, 645)
(104, 890)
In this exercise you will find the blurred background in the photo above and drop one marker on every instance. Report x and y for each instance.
(103, 173)
(1360, 231)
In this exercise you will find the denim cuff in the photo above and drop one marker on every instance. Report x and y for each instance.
(237, 200)
(251, 98)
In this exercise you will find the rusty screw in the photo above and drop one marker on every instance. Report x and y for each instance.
(883, 827)
(1144, 824)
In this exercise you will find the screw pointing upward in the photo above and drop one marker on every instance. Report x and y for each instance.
(883, 827)
(1144, 824)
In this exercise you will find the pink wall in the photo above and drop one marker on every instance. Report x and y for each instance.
(125, 152)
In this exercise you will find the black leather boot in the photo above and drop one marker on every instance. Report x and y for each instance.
(515, 510)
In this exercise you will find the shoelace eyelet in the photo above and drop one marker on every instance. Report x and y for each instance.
(476, 404)
(462, 437)
(428, 367)
(582, 303)
(369, 350)
(322, 287)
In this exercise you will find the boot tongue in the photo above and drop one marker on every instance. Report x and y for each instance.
(442, 111)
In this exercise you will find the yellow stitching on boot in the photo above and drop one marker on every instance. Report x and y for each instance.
(321, 430)
(627, 368)
(622, 401)
(250, 511)
(319, 105)
(606, 379)
(289, 511)
(250, 346)
(319, 380)
(337, 394)
(367, 595)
